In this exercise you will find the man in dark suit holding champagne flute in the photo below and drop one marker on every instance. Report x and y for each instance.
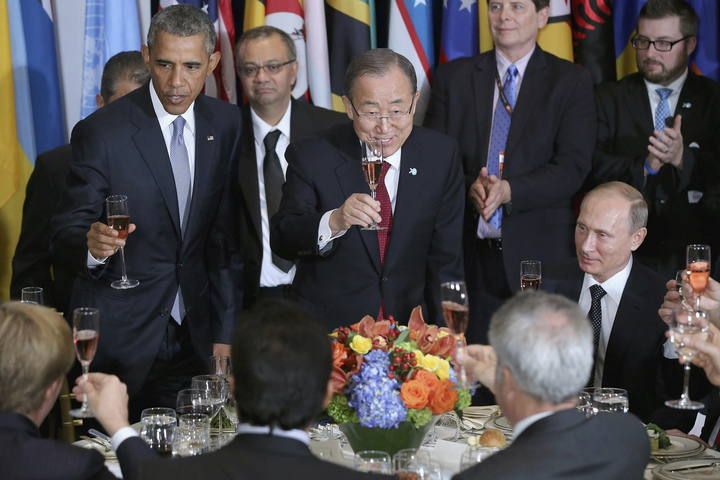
(168, 148)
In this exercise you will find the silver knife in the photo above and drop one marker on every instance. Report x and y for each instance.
(694, 467)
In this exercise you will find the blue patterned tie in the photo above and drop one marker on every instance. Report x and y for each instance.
(499, 134)
(180, 163)
(663, 108)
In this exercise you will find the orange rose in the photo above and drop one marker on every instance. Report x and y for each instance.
(443, 397)
(339, 354)
(429, 379)
(414, 394)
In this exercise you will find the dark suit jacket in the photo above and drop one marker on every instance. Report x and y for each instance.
(305, 120)
(345, 282)
(549, 148)
(251, 456)
(120, 150)
(568, 445)
(32, 264)
(25, 455)
(625, 123)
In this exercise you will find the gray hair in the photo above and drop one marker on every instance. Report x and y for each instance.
(127, 66)
(377, 62)
(547, 344)
(183, 21)
(638, 206)
(266, 31)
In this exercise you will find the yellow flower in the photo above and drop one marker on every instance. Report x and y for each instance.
(430, 362)
(361, 344)
(442, 333)
(418, 357)
(443, 371)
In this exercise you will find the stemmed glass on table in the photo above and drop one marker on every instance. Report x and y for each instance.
(118, 218)
(372, 163)
(158, 429)
(86, 333)
(530, 274)
(33, 295)
(456, 312)
(216, 389)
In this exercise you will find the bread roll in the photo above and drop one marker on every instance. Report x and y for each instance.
(492, 438)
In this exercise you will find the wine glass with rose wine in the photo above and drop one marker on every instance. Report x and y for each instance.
(372, 163)
(86, 334)
(456, 313)
(530, 274)
(687, 323)
(698, 268)
(118, 218)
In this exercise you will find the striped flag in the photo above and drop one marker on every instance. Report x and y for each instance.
(110, 27)
(459, 36)
(411, 35)
(593, 38)
(706, 58)
(318, 70)
(625, 16)
(351, 31)
(222, 84)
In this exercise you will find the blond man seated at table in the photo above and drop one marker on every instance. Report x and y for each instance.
(37, 352)
(540, 358)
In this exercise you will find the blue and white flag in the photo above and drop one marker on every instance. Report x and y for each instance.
(459, 36)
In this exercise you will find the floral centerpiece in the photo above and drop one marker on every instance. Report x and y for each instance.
(389, 381)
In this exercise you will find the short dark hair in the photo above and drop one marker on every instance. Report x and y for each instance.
(281, 361)
(655, 9)
(377, 62)
(183, 20)
(266, 31)
(539, 4)
(128, 66)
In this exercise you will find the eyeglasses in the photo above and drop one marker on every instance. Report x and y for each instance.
(642, 43)
(377, 117)
(273, 68)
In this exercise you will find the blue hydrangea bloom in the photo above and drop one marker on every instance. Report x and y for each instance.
(374, 396)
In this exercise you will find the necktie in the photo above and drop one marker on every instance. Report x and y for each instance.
(382, 196)
(274, 180)
(180, 164)
(595, 313)
(663, 108)
(499, 133)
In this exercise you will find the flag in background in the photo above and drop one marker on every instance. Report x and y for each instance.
(110, 27)
(351, 31)
(593, 38)
(625, 14)
(411, 35)
(555, 38)
(706, 58)
(459, 31)
(318, 70)
(222, 83)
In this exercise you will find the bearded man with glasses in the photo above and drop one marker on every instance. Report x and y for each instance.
(657, 131)
(343, 271)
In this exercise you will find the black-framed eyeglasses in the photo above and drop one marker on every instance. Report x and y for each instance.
(642, 43)
(250, 69)
(377, 117)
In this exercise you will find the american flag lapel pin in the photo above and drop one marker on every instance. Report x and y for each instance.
(210, 138)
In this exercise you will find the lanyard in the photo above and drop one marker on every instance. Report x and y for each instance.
(501, 92)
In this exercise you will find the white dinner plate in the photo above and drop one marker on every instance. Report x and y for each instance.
(502, 423)
(679, 447)
(687, 469)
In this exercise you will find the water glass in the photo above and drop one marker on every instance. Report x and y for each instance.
(158, 429)
(474, 455)
(373, 461)
(192, 436)
(584, 404)
(193, 400)
(32, 295)
(410, 460)
(608, 399)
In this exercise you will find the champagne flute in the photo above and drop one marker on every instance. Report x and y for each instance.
(86, 333)
(456, 312)
(32, 295)
(687, 323)
(118, 218)
(372, 163)
(698, 267)
(530, 274)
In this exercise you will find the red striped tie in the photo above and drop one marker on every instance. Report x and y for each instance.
(383, 236)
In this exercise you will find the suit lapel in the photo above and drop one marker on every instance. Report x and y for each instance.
(531, 91)
(639, 105)
(301, 125)
(350, 178)
(483, 90)
(248, 173)
(149, 142)
(689, 99)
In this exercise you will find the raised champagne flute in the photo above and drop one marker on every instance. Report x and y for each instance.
(530, 274)
(687, 323)
(118, 218)
(86, 333)
(698, 267)
(456, 313)
(372, 163)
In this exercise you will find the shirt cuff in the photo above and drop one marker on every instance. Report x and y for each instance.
(122, 435)
(325, 233)
(649, 170)
(93, 262)
(669, 351)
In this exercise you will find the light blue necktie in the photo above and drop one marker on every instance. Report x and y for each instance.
(499, 134)
(180, 164)
(663, 108)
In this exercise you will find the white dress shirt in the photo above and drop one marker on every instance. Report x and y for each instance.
(614, 287)
(525, 423)
(295, 434)
(484, 229)
(270, 274)
(392, 178)
(672, 100)
(165, 120)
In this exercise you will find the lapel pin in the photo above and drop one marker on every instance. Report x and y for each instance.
(413, 171)
(687, 105)
(210, 138)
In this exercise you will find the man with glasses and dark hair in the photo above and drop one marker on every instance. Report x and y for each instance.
(657, 131)
(267, 69)
(343, 271)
